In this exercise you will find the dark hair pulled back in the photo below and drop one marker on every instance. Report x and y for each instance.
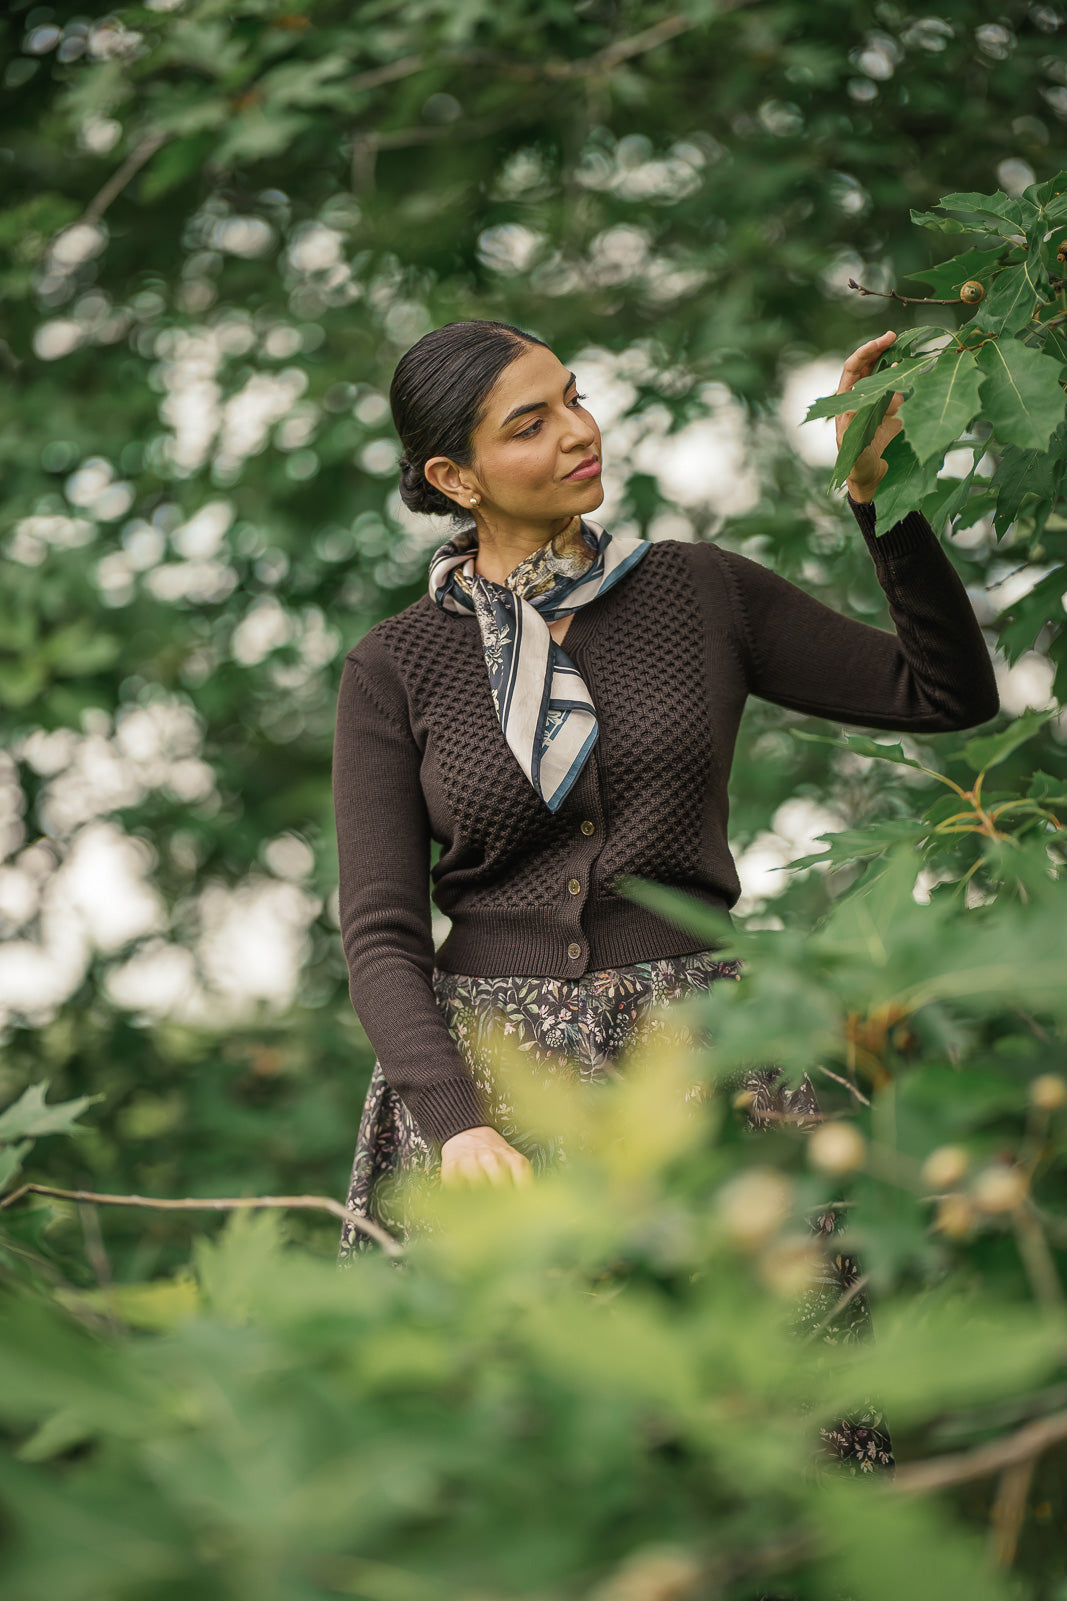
(438, 396)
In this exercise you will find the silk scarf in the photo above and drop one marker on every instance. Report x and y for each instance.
(544, 706)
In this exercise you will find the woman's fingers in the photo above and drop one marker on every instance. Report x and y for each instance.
(488, 1167)
(862, 360)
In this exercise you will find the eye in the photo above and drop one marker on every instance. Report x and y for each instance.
(526, 433)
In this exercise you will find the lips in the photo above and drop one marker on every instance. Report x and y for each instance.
(586, 468)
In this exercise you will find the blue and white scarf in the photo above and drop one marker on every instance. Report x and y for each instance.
(540, 697)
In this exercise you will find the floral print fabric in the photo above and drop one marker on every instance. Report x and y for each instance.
(578, 1028)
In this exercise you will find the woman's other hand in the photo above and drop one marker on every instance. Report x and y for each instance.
(868, 469)
(480, 1155)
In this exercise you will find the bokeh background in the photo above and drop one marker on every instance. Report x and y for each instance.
(220, 227)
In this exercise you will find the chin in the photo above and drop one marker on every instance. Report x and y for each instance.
(591, 496)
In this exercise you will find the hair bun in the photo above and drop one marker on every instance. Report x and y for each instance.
(421, 496)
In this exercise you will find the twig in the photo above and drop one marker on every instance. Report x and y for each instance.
(124, 174)
(216, 1203)
(1041, 1033)
(1037, 1258)
(963, 1466)
(554, 71)
(1009, 1509)
(839, 1080)
(96, 1251)
(906, 300)
(434, 133)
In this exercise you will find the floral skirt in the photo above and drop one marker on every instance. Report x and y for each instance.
(577, 1027)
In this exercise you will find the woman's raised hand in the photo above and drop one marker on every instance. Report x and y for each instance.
(482, 1155)
(868, 469)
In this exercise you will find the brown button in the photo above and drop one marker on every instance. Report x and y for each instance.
(574, 886)
(588, 827)
(574, 950)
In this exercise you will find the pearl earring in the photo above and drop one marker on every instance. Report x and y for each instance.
(474, 500)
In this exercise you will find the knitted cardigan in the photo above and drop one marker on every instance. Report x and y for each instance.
(669, 655)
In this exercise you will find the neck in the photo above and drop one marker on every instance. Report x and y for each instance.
(501, 547)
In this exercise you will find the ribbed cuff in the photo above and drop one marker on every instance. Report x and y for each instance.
(912, 532)
(446, 1108)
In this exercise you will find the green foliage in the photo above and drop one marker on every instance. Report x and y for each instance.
(591, 1390)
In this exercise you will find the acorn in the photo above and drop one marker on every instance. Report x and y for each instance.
(972, 292)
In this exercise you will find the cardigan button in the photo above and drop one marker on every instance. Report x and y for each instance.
(574, 886)
(588, 827)
(574, 950)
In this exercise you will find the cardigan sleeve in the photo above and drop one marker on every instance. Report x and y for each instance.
(934, 673)
(383, 848)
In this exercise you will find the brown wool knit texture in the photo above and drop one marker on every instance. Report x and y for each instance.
(669, 656)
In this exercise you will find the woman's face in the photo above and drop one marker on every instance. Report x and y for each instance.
(533, 434)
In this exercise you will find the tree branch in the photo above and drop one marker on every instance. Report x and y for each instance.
(940, 1472)
(124, 175)
(316, 1203)
(848, 1086)
(605, 60)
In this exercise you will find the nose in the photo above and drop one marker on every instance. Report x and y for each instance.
(583, 431)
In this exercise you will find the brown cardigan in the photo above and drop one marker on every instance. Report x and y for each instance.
(669, 655)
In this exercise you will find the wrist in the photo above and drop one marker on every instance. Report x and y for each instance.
(475, 1128)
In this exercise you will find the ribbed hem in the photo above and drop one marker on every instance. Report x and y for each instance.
(536, 941)
(912, 532)
(446, 1107)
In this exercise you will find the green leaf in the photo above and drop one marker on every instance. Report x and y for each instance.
(906, 484)
(176, 163)
(857, 436)
(1023, 618)
(1053, 341)
(942, 403)
(981, 754)
(1046, 193)
(11, 1160)
(907, 338)
(21, 681)
(1027, 472)
(869, 389)
(948, 277)
(948, 499)
(862, 745)
(860, 844)
(1011, 302)
(931, 220)
(1022, 397)
(1047, 789)
(1005, 209)
(256, 134)
(30, 1117)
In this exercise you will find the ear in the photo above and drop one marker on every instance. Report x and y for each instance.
(444, 475)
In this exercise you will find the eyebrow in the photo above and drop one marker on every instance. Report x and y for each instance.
(536, 405)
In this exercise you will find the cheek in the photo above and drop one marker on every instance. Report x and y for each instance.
(526, 468)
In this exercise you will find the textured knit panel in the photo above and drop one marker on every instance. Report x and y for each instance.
(502, 844)
(651, 691)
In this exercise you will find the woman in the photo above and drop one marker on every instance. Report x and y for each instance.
(558, 710)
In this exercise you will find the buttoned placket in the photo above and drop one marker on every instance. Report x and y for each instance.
(589, 819)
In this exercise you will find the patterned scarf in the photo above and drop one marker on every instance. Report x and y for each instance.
(543, 704)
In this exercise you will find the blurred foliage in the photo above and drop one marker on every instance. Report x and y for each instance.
(594, 1386)
(220, 227)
